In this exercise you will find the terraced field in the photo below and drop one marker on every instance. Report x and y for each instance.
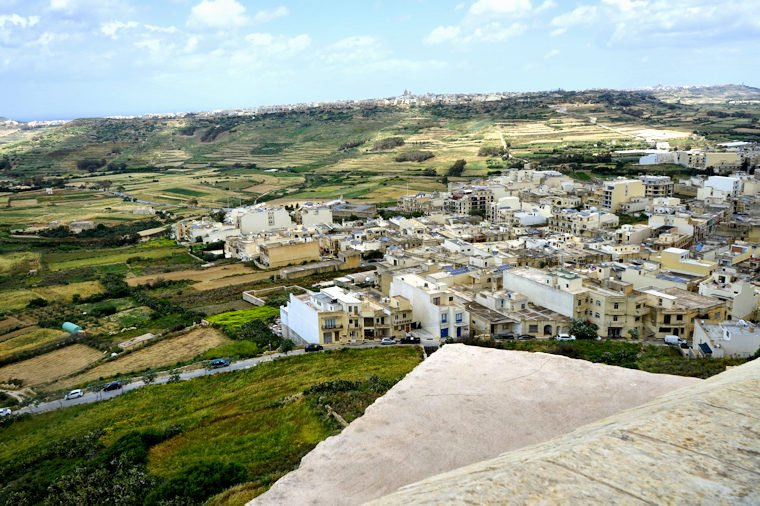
(166, 352)
(50, 366)
(18, 299)
(26, 339)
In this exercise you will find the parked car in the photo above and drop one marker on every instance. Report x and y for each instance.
(564, 337)
(219, 362)
(313, 347)
(74, 394)
(387, 340)
(5, 412)
(674, 340)
(114, 385)
(525, 337)
(410, 340)
(508, 335)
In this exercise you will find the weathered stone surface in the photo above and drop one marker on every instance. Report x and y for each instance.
(697, 445)
(461, 406)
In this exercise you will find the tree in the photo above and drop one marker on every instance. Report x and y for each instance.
(192, 202)
(457, 168)
(287, 346)
(584, 329)
(149, 377)
(429, 172)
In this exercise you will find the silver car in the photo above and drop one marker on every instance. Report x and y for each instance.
(74, 394)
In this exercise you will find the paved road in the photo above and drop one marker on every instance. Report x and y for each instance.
(90, 397)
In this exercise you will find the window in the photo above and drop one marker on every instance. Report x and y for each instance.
(444, 318)
(596, 315)
(616, 305)
(679, 317)
(330, 323)
(667, 318)
(598, 302)
(533, 329)
(437, 301)
(458, 317)
(451, 299)
(614, 318)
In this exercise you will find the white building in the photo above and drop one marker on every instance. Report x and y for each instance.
(740, 296)
(263, 219)
(562, 292)
(313, 216)
(726, 339)
(433, 306)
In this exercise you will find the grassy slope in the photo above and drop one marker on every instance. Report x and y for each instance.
(234, 417)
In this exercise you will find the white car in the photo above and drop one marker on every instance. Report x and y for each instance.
(387, 340)
(564, 337)
(74, 394)
(5, 411)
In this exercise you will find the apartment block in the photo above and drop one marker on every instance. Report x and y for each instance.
(740, 296)
(581, 223)
(438, 312)
(337, 316)
(672, 311)
(560, 291)
(657, 186)
(619, 191)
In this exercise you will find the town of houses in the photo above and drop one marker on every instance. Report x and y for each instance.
(519, 255)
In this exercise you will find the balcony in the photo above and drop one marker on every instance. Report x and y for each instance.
(337, 326)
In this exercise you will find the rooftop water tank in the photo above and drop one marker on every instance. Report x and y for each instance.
(71, 328)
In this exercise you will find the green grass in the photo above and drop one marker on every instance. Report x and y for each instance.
(255, 418)
(184, 191)
(234, 319)
(646, 357)
(88, 258)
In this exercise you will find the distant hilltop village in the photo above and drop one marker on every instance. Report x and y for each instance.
(406, 99)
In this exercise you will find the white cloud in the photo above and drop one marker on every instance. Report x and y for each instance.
(278, 44)
(191, 44)
(265, 16)
(501, 7)
(113, 28)
(655, 23)
(219, 14)
(489, 32)
(442, 34)
(490, 21)
(583, 14)
(551, 54)
(14, 20)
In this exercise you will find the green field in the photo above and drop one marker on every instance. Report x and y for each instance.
(70, 260)
(26, 340)
(235, 319)
(259, 419)
(185, 191)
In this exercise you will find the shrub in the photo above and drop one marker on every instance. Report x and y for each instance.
(388, 143)
(414, 156)
(199, 482)
(37, 302)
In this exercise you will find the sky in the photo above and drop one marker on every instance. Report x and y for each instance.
(62, 59)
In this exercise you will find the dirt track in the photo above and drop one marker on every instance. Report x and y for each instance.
(210, 278)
